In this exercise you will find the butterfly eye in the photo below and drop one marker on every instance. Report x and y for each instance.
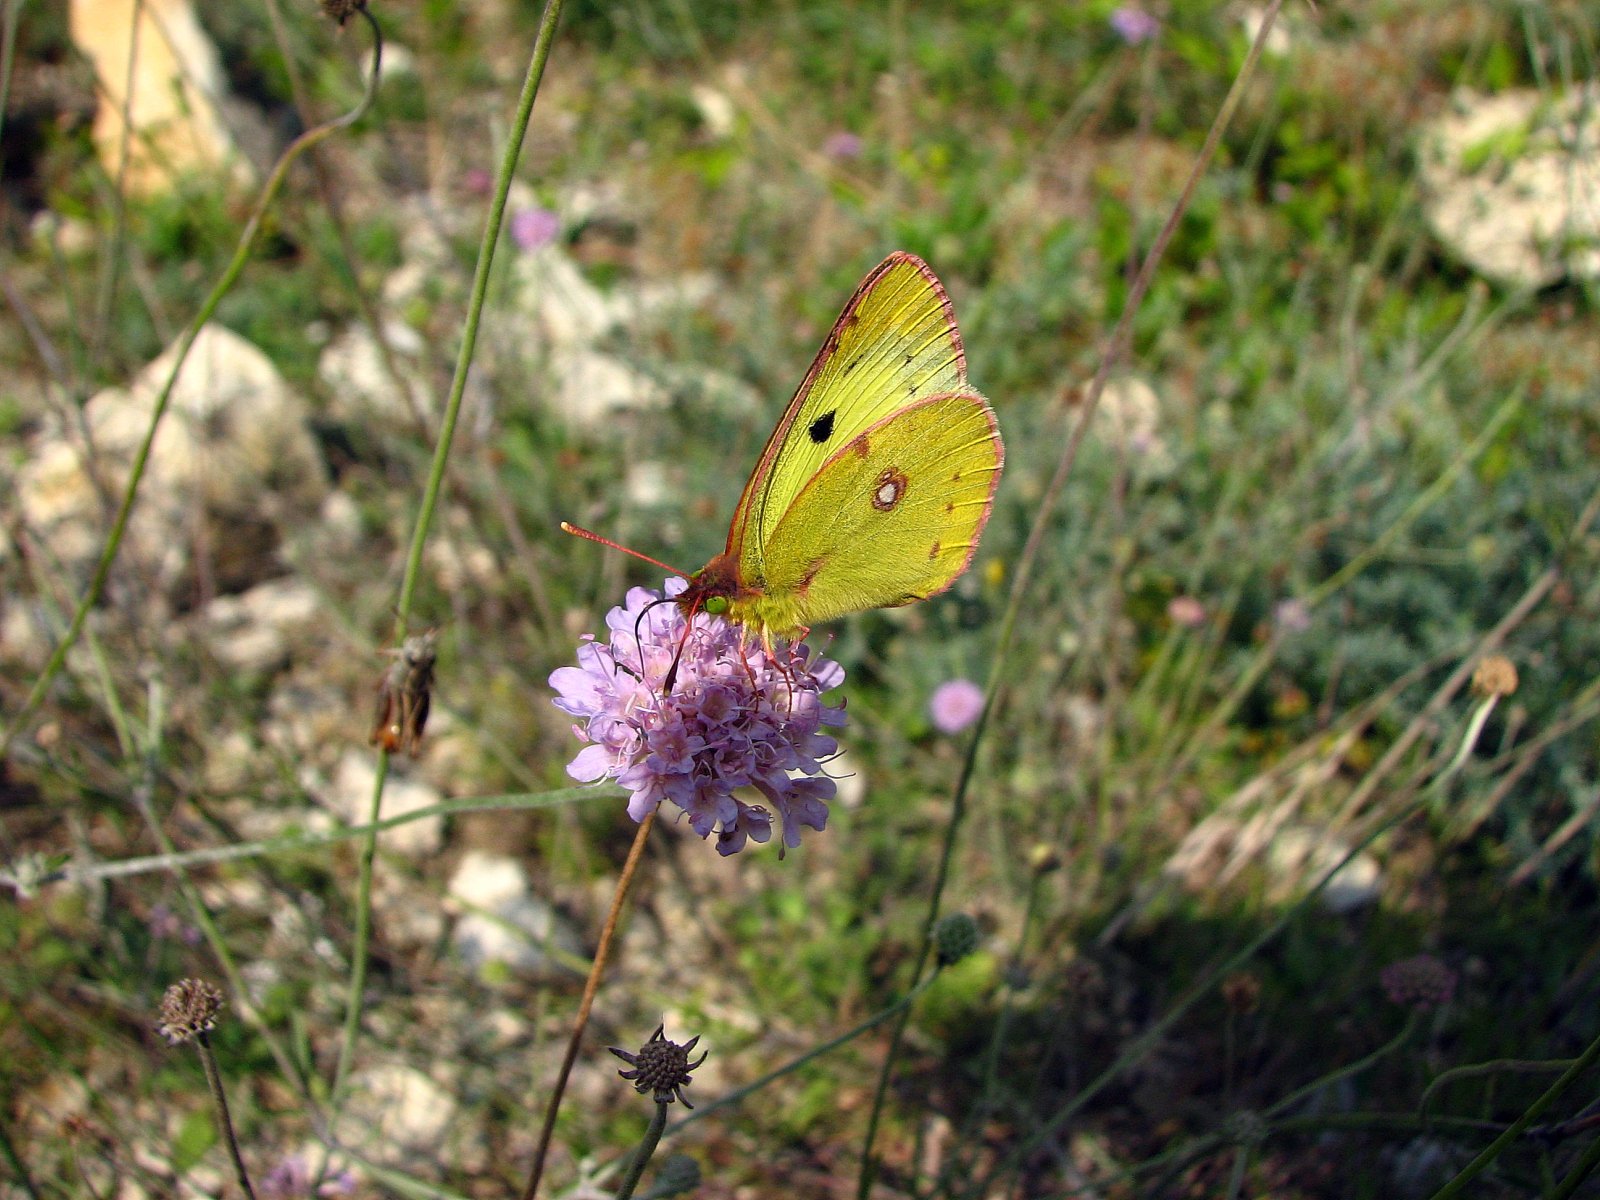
(716, 605)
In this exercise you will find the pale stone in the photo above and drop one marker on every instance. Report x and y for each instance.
(353, 370)
(505, 923)
(591, 387)
(1512, 184)
(251, 631)
(234, 440)
(1128, 417)
(396, 1107)
(173, 95)
(351, 798)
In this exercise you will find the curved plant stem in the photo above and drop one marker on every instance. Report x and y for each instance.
(590, 987)
(1111, 354)
(641, 1158)
(141, 458)
(219, 1097)
(1516, 1129)
(361, 949)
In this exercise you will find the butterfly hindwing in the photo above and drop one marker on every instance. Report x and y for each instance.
(895, 343)
(893, 516)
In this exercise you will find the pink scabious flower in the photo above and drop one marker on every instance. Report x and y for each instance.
(532, 228)
(1133, 25)
(954, 705)
(736, 716)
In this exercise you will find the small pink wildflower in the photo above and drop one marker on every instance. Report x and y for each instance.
(1421, 982)
(1186, 612)
(842, 146)
(534, 227)
(954, 705)
(737, 717)
(1133, 25)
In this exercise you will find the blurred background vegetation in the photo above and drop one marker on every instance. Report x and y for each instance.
(1347, 446)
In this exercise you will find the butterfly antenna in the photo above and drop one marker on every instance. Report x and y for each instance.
(588, 535)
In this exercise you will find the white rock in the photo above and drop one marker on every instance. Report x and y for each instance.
(251, 631)
(351, 797)
(1129, 417)
(717, 112)
(1300, 855)
(1512, 185)
(396, 1107)
(591, 387)
(173, 96)
(234, 440)
(568, 309)
(352, 368)
(506, 923)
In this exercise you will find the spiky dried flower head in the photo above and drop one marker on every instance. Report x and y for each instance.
(661, 1067)
(188, 1010)
(1496, 675)
(736, 715)
(1421, 982)
(342, 10)
(955, 937)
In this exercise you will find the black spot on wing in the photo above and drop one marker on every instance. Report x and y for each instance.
(821, 429)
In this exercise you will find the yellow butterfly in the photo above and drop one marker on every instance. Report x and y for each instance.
(876, 484)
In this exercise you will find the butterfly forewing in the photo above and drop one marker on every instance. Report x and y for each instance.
(895, 343)
(892, 517)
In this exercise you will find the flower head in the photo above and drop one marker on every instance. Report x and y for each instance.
(735, 716)
(189, 1010)
(661, 1067)
(1133, 25)
(1420, 982)
(842, 145)
(954, 705)
(534, 227)
(1186, 612)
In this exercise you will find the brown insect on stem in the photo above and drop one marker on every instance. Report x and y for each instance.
(404, 694)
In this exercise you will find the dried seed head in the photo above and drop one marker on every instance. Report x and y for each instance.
(955, 937)
(1420, 982)
(1241, 992)
(188, 1010)
(661, 1067)
(1495, 676)
(342, 10)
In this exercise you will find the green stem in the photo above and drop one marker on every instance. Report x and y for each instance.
(1585, 1167)
(220, 1098)
(647, 1147)
(849, 1035)
(1515, 1130)
(1110, 356)
(1345, 1072)
(141, 458)
(361, 950)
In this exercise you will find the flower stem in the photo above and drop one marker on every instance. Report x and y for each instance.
(220, 1099)
(647, 1147)
(590, 987)
(1515, 1130)
(361, 951)
(1110, 355)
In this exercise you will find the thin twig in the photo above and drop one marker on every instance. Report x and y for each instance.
(1111, 354)
(361, 949)
(590, 987)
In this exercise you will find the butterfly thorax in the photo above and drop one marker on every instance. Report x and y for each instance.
(718, 589)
